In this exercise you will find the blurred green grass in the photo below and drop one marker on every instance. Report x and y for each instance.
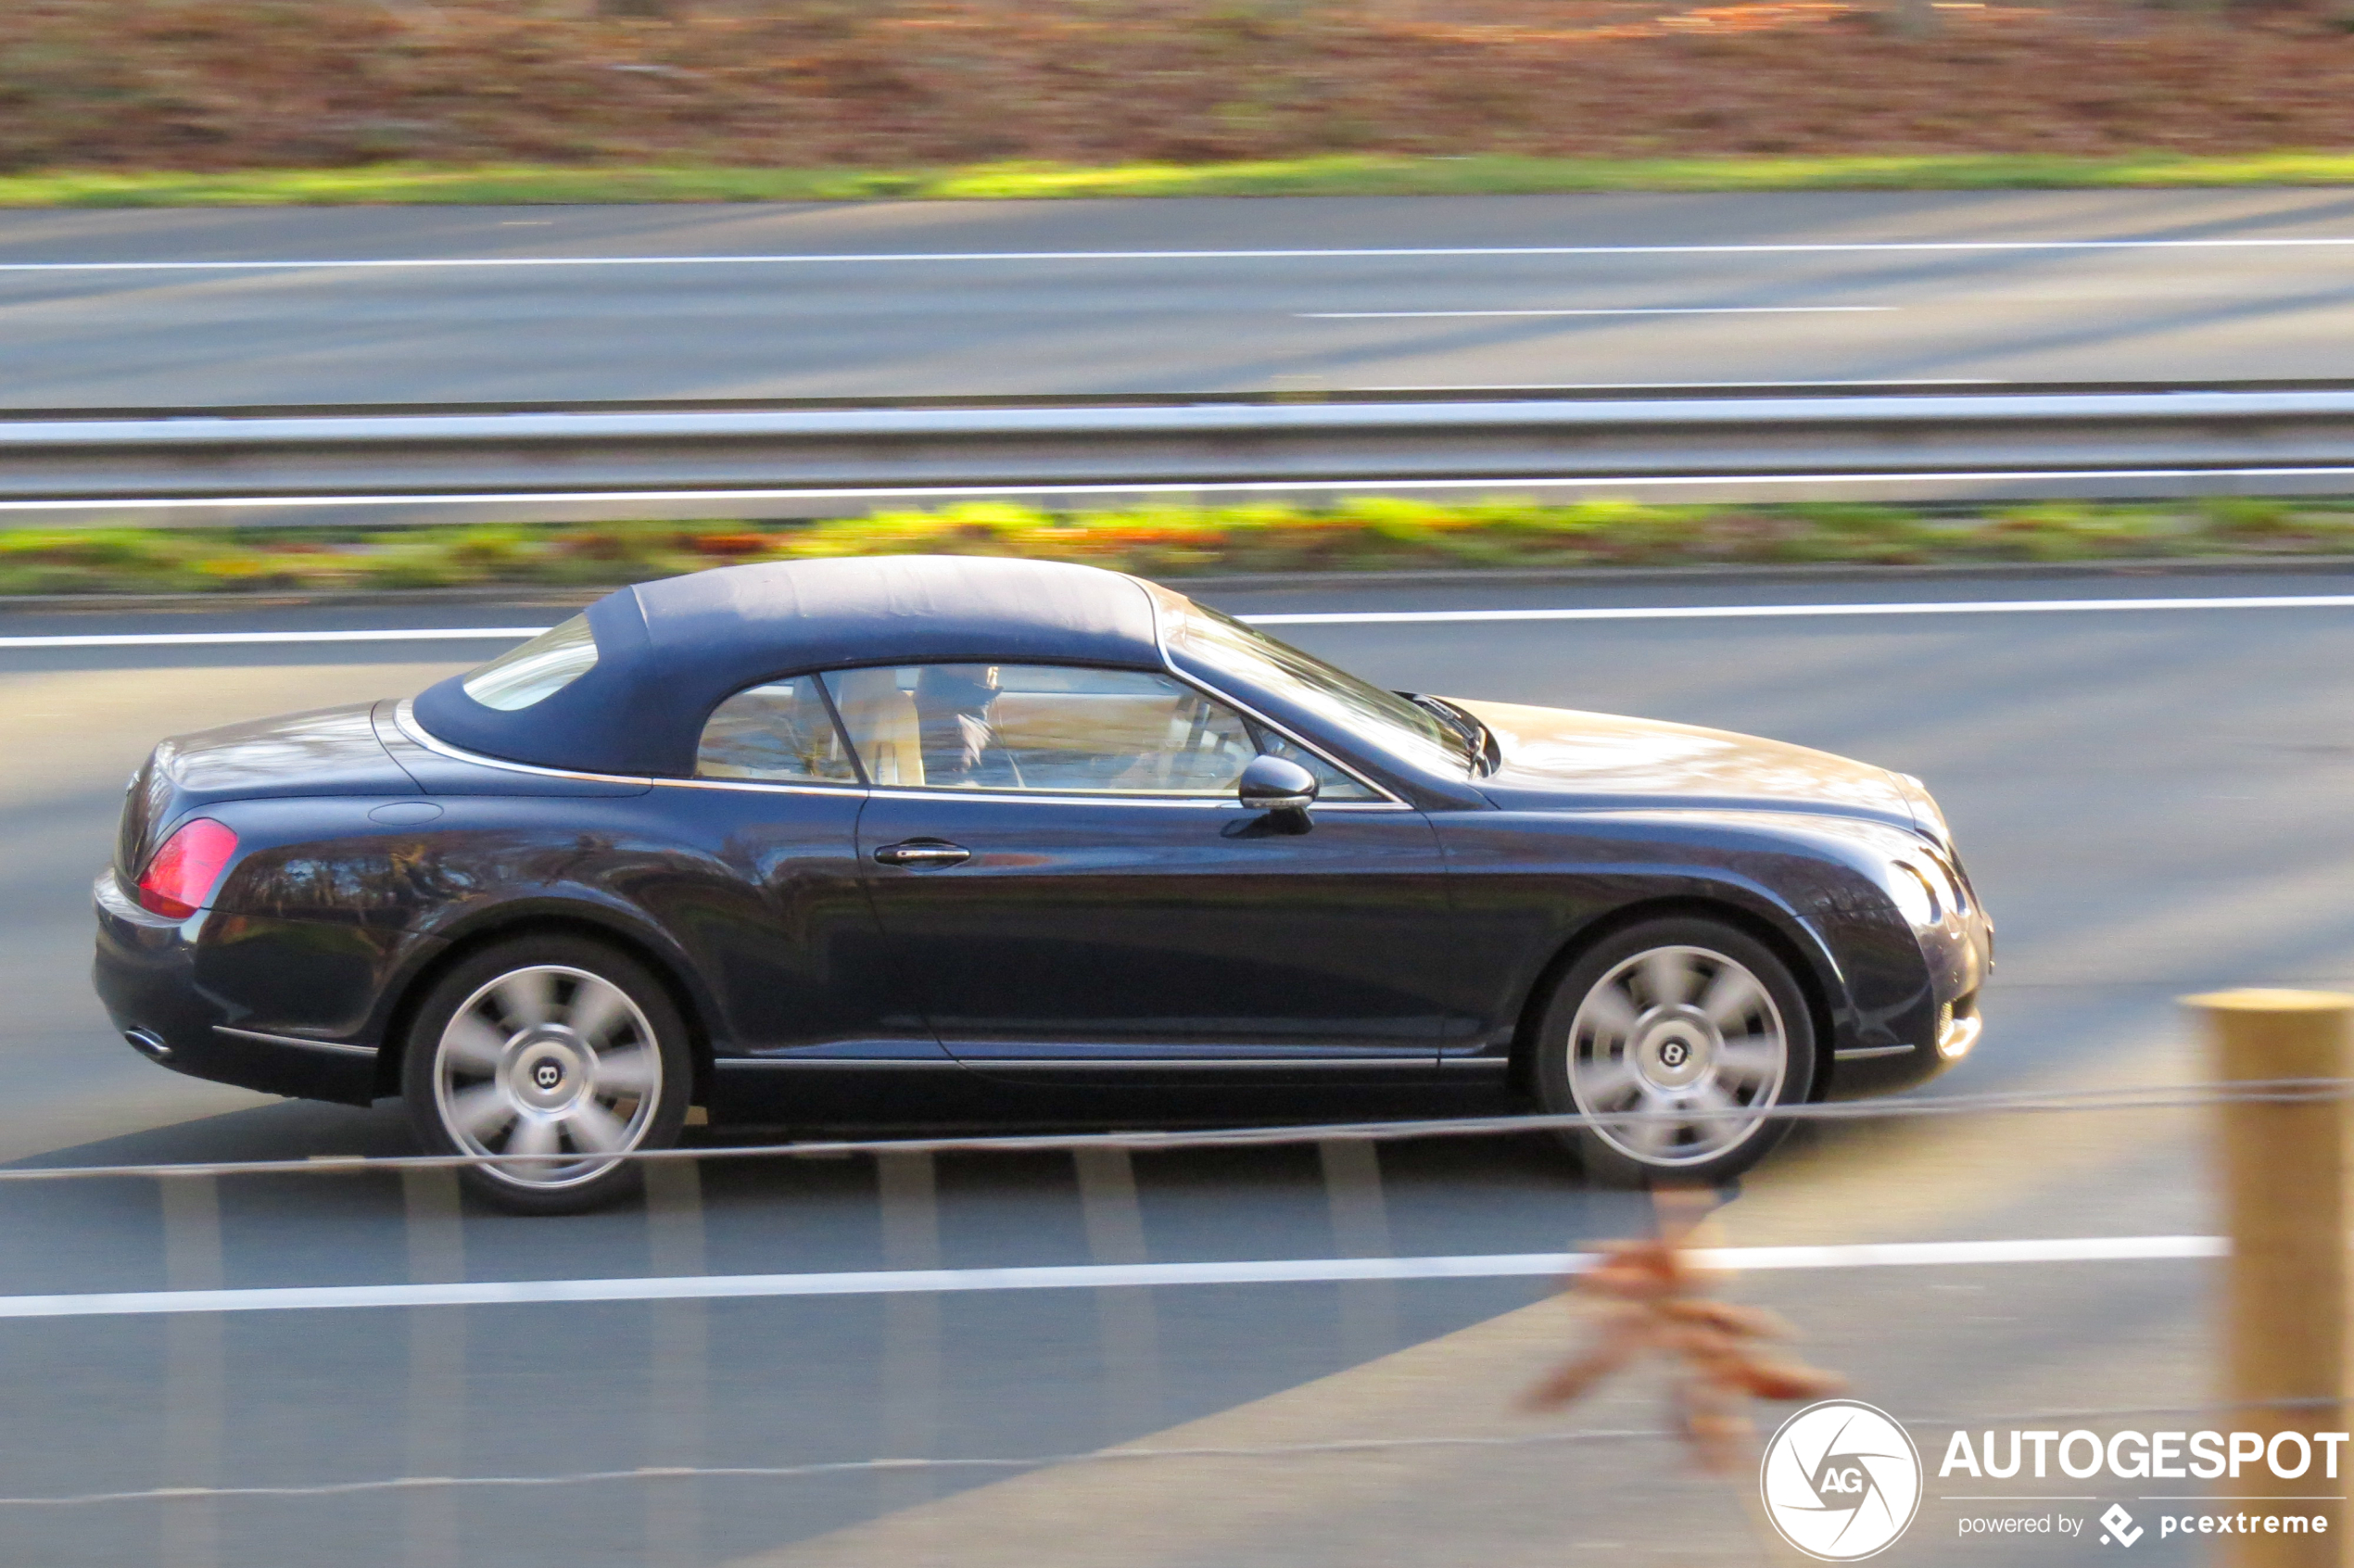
(1371, 534)
(1329, 175)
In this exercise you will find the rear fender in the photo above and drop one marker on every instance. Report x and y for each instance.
(582, 911)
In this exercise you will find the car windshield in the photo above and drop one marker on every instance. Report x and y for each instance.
(1389, 721)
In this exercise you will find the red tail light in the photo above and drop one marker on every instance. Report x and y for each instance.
(180, 875)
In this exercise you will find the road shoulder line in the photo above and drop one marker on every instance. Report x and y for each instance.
(898, 1282)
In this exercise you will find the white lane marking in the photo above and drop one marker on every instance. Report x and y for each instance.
(866, 259)
(1746, 612)
(1628, 311)
(1608, 483)
(1309, 618)
(185, 639)
(892, 1282)
(1682, 385)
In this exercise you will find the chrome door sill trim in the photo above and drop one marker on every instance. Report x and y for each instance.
(1151, 1064)
(929, 1064)
(1859, 1052)
(334, 1047)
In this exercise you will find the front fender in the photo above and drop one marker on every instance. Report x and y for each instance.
(1534, 886)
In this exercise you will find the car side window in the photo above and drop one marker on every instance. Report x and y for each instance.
(1332, 784)
(1045, 729)
(780, 730)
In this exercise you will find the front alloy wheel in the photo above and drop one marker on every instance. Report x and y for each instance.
(1688, 1032)
(559, 1055)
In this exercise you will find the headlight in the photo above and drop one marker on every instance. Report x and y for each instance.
(1946, 883)
(1910, 890)
(1927, 814)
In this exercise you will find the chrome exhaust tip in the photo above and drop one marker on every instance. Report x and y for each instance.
(148, 1043)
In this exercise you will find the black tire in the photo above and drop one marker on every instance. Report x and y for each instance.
(602, 1069)
(1638, 1049)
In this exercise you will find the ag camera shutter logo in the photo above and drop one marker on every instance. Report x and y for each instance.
(1842, 1481)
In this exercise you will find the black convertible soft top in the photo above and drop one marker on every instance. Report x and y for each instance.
(669, 651)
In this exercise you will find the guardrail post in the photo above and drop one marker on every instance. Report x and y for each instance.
(680, 1364)
(2284, 1300)
(195, 1377)
(437, 1366)
(1361, 1229)
(1123, 1314)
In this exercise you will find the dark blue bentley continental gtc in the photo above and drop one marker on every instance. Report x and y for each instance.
(729, 839)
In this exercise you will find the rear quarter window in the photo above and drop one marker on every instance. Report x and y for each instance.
(538, 670)
(778, 732)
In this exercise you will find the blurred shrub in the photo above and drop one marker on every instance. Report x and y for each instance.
(1365, 534)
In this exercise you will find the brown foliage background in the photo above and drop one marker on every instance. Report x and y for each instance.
(220, 85)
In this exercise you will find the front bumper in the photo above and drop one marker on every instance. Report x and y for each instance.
(1939, 1027)
(163, 987)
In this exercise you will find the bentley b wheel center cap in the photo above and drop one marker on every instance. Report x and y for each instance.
(1675, 1047)
(547, 1075)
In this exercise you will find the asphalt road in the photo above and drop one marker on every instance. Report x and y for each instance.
(2151, 802)
(344, 306)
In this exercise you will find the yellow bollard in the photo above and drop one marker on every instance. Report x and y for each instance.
(2284, 1296)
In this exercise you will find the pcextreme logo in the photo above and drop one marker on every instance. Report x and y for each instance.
(1842, 1481)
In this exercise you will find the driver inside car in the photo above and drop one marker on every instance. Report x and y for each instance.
(953, 725)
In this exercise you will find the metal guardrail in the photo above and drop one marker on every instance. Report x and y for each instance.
(811, 460)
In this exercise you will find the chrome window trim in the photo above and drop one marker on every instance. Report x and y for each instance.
(1387, 801)
(1183, 803)
(765, 786)
(409, 728)
(406, 722)
(404, 718)
(1160, 640)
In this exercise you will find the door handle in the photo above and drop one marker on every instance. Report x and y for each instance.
(922, 853)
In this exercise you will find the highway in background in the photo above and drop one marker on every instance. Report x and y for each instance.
(2152, 802)
(530, 305)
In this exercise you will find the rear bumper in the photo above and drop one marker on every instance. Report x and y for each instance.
(152, 973)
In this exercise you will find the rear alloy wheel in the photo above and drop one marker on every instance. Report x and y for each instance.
(1691, 1030)
(555, 1049)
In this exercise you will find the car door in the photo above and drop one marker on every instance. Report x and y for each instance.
(777, 915)
(1061, 871)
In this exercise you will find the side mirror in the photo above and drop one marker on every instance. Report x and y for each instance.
(1274, 784)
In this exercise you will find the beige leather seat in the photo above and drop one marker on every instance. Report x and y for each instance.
(881, 721)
